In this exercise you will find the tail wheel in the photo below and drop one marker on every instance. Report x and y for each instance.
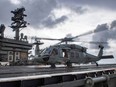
(96, 64)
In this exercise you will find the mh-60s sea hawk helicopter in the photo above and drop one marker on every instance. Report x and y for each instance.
(68, 53)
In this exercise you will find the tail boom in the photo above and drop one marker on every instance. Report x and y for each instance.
(107, 57)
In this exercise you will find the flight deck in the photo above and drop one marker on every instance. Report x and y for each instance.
(36, 76)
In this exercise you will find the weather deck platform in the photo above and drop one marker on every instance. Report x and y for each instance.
(78, 76)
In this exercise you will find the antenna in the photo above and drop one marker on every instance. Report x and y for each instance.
(2, 28)
(37, 48)
(18, 21)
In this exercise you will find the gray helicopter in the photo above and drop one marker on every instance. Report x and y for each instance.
(68, 53)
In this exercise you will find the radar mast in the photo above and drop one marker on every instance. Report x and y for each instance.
(18, 21)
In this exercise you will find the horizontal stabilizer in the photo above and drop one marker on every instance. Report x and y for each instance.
(107, 57)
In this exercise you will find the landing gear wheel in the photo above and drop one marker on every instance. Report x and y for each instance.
(69, 64)
(53, 66)
(96, 64)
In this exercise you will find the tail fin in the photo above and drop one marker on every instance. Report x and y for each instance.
(101, 51)
(107, 57)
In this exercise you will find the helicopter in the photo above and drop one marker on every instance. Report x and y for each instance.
(64, 53)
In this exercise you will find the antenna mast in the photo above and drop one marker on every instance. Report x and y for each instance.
(18, 21)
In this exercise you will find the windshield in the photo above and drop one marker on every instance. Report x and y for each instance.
(46, 51)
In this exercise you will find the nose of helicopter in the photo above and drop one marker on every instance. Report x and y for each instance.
(45, 58)
(42, 59)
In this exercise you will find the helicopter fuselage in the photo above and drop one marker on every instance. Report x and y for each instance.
(63, 53)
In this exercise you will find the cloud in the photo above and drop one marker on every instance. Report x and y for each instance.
(98, 3)
(79, 9)
(105, 36)
(113, 24)
(101, 27)
(113, 30)
(49, 22)
(38, 10)
(5, 7)
(15, 2)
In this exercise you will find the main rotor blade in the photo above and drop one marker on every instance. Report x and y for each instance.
(45, 38)
(67, 39)
(58, 43)
(89, 32)
(93, 42)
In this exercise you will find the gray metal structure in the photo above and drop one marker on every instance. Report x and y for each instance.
(80, 76)
(18, 21)
(15, 51)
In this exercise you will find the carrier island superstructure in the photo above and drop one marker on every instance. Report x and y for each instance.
(16, 49)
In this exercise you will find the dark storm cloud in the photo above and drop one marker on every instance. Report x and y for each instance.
(98, 3)
(5, 8)
(38, 10)
(113, 30)
(101, 27)
(113, 24)
(79, 9)
(49, 22)
(109, 34)
(74, 7)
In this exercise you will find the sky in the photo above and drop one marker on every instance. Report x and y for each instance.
(59, 18)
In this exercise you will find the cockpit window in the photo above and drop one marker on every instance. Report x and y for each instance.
(46, 51)
(54, 52)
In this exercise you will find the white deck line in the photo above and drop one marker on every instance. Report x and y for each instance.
(49, 75)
